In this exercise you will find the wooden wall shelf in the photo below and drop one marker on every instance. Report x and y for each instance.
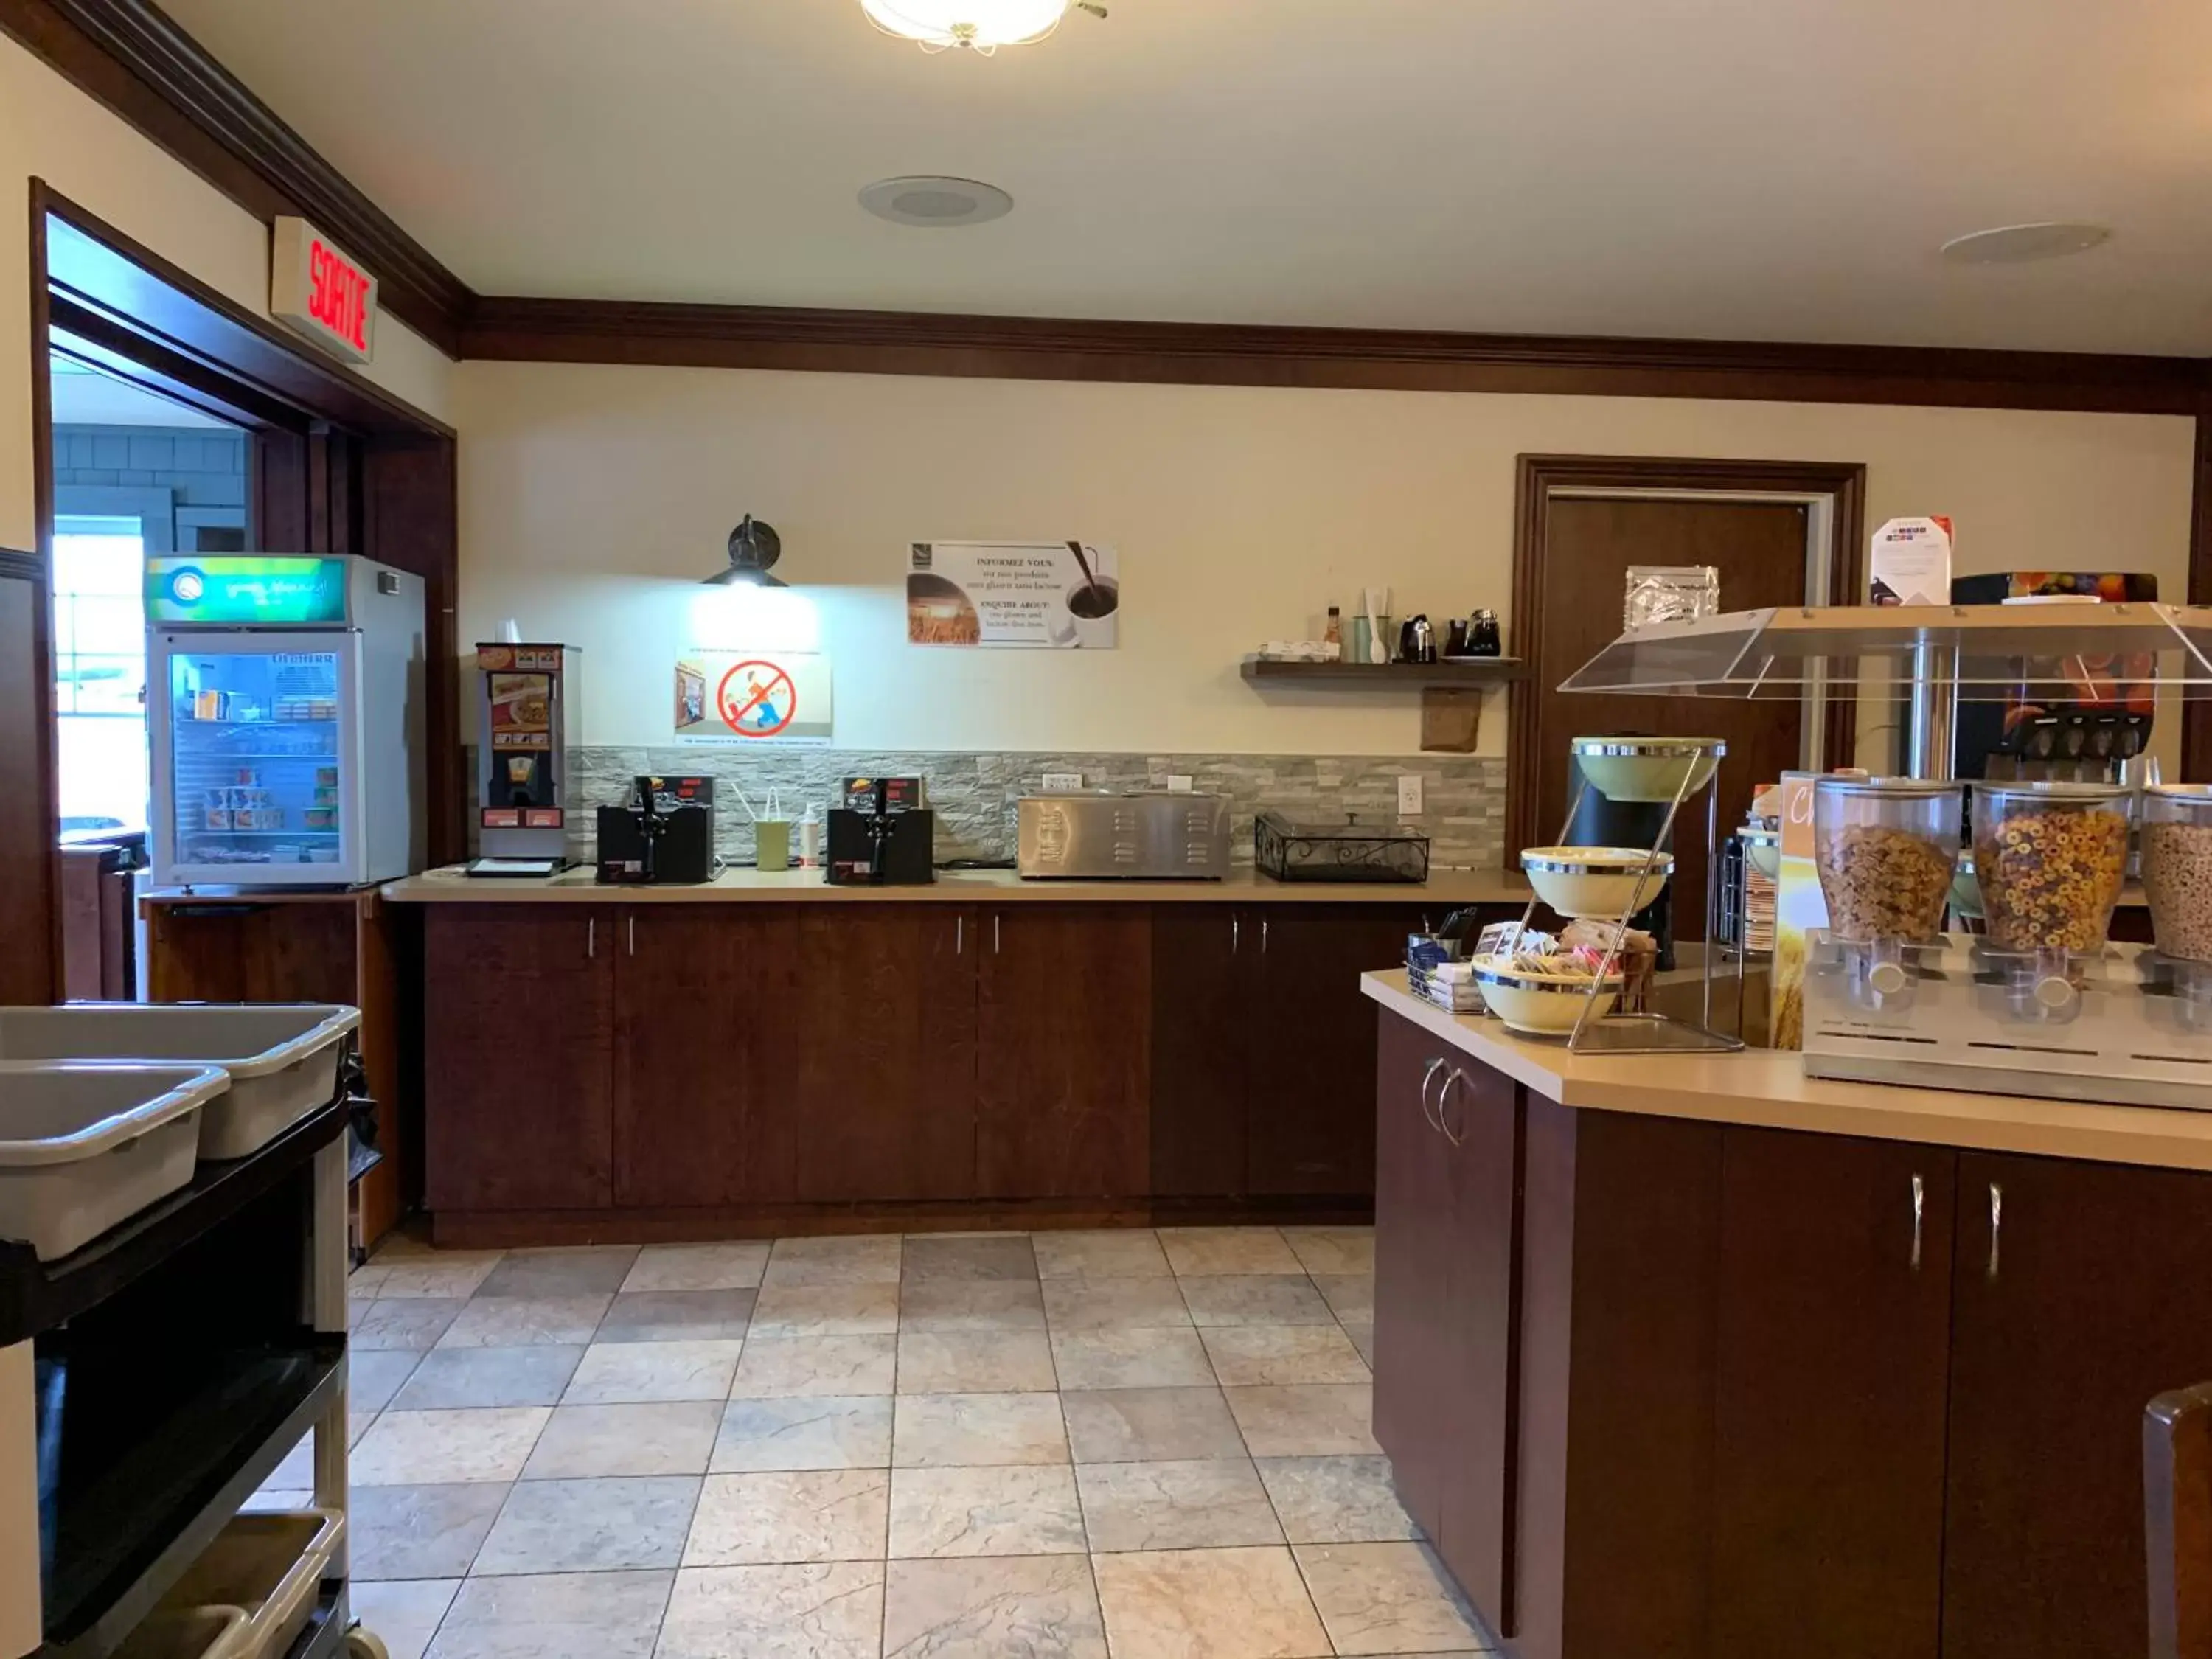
(1462, 672)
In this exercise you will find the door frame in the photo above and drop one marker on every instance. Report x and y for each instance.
(1835, 491)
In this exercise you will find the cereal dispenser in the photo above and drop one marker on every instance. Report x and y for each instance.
(1884, 848)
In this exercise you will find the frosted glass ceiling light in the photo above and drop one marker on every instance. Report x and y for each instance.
(980, 26)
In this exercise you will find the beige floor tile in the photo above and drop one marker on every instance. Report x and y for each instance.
(1349, 1296)
(676, 1316)
(786, 1516)
(592, 1270)
(564, 1615)
(1385, 1599)
(970, 1257)
(514, 1322)
(872, 1258)
(1207, 1604)
(1362, 1333)
(697, 1267)
(1096, 1304)
(1193, 1251)
(964, 1430)
(971, 1304)
(1332, 1249)
(1314, 1421)
(782, 1366)
(402, 1323)
(1123, 1359)
(447, 1273)
(1018, 1511)
(1256, 1356)
(403, 1612)
(1212, 1505)
(1255, 1299)
(589, 1526)
(592, 1442)
(633, 1373)
(1336, 1500)
(828, 1610)
(406, 1449)
(362, 1281)
(975, 1362)
(817, 1432)
(826, 1311)
(1140, 1426)
(1131, 1253)
(428, 1531)
(461, 1378)
(1040, 1606)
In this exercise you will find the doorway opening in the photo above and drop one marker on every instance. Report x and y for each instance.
(1779, 533)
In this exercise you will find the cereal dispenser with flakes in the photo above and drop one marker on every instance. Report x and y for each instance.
(1884, 849)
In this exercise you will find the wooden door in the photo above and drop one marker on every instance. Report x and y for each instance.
(1759, 548)
(1063, 1051)
(881, 1033)
(518, 1046)
(1415, 1392)
(1311, 1044)
(1480, 1124)
(1200, 1065)
(702, 1094)
(1832, 1341)
(30, 824)
(2085, 1295)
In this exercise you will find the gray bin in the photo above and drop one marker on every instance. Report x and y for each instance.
(85, 1147)
(282, 1058)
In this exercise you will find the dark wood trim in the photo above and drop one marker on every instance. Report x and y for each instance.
(2196, 713)
(1539, 476)
(134, 58)
(1032, 348)
(41, 563)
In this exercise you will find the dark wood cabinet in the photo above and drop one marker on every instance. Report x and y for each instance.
(517, 1045)
(880, 1045)
(2081, 1291)
(30, 827)
(1830, 1370)
(1201, 1075)
(1310, 1045)
(703, 1106)
(1063, 1044)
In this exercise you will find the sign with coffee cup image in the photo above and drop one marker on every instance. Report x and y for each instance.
(1046, 595)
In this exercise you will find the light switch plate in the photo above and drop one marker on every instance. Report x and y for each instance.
(1409, 796)
(1063, 783)
(1179, 783)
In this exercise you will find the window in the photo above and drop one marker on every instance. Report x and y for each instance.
(100, 671)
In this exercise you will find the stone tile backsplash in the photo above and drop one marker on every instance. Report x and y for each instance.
(973, 795)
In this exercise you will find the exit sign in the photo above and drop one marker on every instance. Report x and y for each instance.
(318, 290)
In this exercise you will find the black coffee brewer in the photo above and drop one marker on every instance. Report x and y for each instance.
(881, 836)
(665, 834)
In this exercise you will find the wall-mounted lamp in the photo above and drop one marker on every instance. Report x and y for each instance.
(754, 548)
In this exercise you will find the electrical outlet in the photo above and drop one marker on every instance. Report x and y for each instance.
(1063, 783)
(1409, 796)
(1179, 783)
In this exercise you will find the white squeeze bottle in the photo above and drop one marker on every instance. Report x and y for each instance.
(810, 837)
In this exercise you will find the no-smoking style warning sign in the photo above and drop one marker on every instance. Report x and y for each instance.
(733, 698)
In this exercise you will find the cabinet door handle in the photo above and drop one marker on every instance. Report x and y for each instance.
(591, 936)
(632, 920)
(1429, 1112)
(959, 935)
(994, 933)
(1444, 1094)
(1919, 1212)
(1996, 1224)
(1236, 933)
(1263, 936)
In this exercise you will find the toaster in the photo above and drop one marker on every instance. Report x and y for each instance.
(1145, 835)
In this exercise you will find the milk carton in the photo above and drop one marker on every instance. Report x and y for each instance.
(1911, 562)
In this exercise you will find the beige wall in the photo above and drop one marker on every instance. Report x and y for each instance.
(593, 499)
(51, 130)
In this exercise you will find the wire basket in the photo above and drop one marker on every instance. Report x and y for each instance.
(1347, 852)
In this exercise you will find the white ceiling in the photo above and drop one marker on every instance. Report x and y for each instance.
(85, 397)
(1778, 169)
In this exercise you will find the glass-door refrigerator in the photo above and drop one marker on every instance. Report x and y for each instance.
(286, 716)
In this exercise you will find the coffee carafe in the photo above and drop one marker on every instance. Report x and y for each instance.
(1416, 641)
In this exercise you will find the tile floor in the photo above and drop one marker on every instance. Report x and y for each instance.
(1115, 1445)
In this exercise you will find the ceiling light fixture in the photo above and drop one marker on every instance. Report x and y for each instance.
(2020, 245)
(936, 204)
(978, 25)
(754, 547)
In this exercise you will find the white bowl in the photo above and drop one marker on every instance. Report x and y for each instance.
(1595, 881)
(1541, 1004)
(1647, 768)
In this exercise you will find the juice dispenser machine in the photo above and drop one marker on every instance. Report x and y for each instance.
(524, 694)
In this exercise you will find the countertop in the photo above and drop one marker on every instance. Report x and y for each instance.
(1769, 1090)
(1444, 889)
